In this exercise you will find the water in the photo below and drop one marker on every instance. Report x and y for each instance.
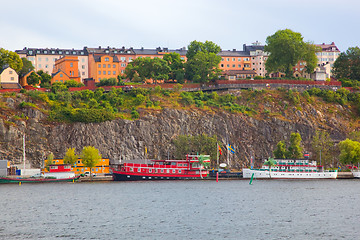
(267, 209)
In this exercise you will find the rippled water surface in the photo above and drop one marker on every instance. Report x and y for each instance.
(326, 209)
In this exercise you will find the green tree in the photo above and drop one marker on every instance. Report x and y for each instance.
(198, 144)
(202, 61)
(294, 149)
(349, 152)
(347, 65)
(176, 65)
(49, 161)
(45, 78)
(148, 68)
(33, 79)
(322, 144)
(286, 49)
(27, 67)
(10, 58)
(70, 156)
(270, 163)
(280, 151)
(90, 157)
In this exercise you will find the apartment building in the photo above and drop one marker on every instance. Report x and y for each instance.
(327, 56)
(69, 66)
(103, 67)
(124, 55)
(44, 58)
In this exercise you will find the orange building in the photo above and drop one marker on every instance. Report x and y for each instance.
(103, 67)
(234, 60)
(69, 66)
(78, 168)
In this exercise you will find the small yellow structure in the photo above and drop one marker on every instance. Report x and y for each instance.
(78, 168)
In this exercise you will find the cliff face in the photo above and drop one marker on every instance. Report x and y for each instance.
(155, 130)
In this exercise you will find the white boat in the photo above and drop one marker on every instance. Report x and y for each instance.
(356, 173)
(291, 169)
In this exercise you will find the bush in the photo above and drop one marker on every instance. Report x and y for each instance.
(135, 114)
(27, 104)
(186, 99)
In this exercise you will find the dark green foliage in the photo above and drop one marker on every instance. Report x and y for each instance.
(186, 98)
(347, 65)
(198, 144)
(135, 114)
(107, 82)
(81, 115)
(33, 79)
(27, 67)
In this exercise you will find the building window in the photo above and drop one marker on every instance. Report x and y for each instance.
(228, 65)
(123, 64)
(114, 72)
(46, 66)
(109, 66)
(104, 72)
(71, 65)
(233, 59)
(222, 65)
(123, 58)
(122, 71)
(104, 65)
(83, 73)
(82, 60)
(109, 72)
(114, 66)
(61, 75)
(233, 65)
(239, 65)
(99, 72)
(228, 59)
(12, 78)
(39, 65)
(83, 66)
(99, 65)
(106, 59)
(10, 72)
(222, 59)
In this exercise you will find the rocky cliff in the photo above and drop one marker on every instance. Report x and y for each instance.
(127, 139)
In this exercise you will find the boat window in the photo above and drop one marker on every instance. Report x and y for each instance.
(150, 170)
(173, 163)
(179, 171)
(131, 169)
(139, 169)
(174, 171)
(167, 171)
(162, 170)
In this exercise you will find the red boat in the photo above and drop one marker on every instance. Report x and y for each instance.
(193, 167)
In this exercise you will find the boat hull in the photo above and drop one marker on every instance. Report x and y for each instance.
(247, 173)
(356, 174)
(119, 176)
(36, 180)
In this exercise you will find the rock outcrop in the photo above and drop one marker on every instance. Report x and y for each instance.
(127, 139)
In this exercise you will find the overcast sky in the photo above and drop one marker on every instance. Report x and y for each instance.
(173, 24)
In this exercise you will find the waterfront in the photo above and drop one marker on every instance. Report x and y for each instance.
(267, 209)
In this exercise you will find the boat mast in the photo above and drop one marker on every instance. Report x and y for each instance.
(24, 157)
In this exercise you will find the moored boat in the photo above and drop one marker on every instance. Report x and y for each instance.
(193, 167)
(356, 173)
(36, 180)
(291, 169)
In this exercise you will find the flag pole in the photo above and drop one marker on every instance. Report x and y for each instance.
(217, 154)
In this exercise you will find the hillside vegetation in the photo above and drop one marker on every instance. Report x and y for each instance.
(99, 106)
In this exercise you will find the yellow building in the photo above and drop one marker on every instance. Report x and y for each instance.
(78, 168)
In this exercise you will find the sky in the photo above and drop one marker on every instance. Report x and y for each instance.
(173, 24)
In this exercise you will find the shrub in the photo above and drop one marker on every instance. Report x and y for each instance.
(27, 104)
(135, 114)
(186, 99)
